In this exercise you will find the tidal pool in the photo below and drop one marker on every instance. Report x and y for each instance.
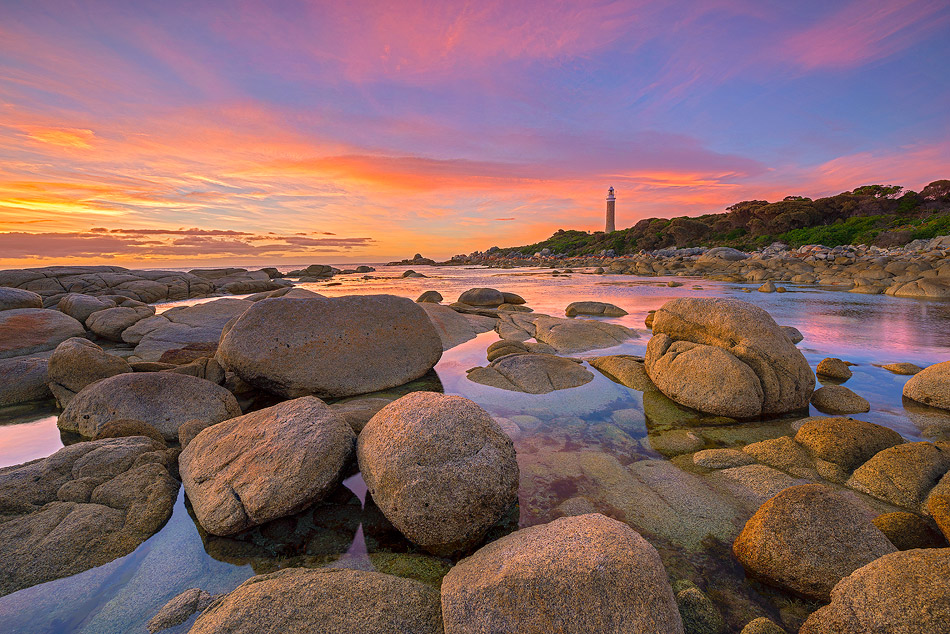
(599, 447)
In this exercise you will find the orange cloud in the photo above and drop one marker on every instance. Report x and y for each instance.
(72, 138)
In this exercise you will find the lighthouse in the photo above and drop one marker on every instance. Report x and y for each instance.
(611, 202)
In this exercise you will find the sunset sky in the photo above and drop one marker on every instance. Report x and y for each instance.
(177, 133)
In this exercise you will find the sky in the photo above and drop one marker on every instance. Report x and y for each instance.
(179, 133)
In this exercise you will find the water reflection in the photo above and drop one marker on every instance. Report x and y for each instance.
(599, 447)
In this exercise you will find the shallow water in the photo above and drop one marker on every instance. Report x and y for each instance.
(576, 448)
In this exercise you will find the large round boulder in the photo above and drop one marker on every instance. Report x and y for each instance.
(903, 474)
(330, 347)
(12, 298)
(164, 400)
(264, 465)
(580, 574)
(23, 379)
(744, 334)
(806, 539)
(25, 331)
(78, 362)
(931, 386)
(901, 593)
(845, 442)
(482, 297)
(324, 600)
(440, 469)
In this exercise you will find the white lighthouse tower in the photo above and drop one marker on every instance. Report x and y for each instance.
(611, 202)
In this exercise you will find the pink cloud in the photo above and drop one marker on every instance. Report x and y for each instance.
(864, 31)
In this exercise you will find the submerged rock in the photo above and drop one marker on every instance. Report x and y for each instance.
(837, 399)
(902, 368)
(600, 309)
(625, 369)
(440, 469)
(931, 386)
(331, 347)
(767, 373)
(906, 592)
(580, 335)
(806, 539)
(531, 373)
(25, 331)
(82, 507)
(576, 575)
(180, 609)
(164, 400)
(324, 600)
(264, 465)
(78, 362)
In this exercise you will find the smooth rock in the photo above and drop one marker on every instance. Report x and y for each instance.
(624, 369)
(12, 298)
(907, 592)
(453, 327)
(903, 474)
(78, 362)
(112, 322)
(161, 399)
(721, 458)
(600, 309)
(25, 331)
(330, 600)
(837, 399)
(483, 297)
(902, 368)
(122, 428)
(440, 469)
(806, 539)
(531, 373)
(846, 442)
(580, 335)
(180, 609)
(433, 297)
(762, 625)
(360, 343)
(23, 380)
(505, 347)
(267, 464)
(576, 575)
(794, 334)
(359, 410)
(80, 307)
(931, 386)
(745, 332)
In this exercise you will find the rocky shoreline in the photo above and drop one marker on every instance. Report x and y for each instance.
(920, 269)
(259, 408)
